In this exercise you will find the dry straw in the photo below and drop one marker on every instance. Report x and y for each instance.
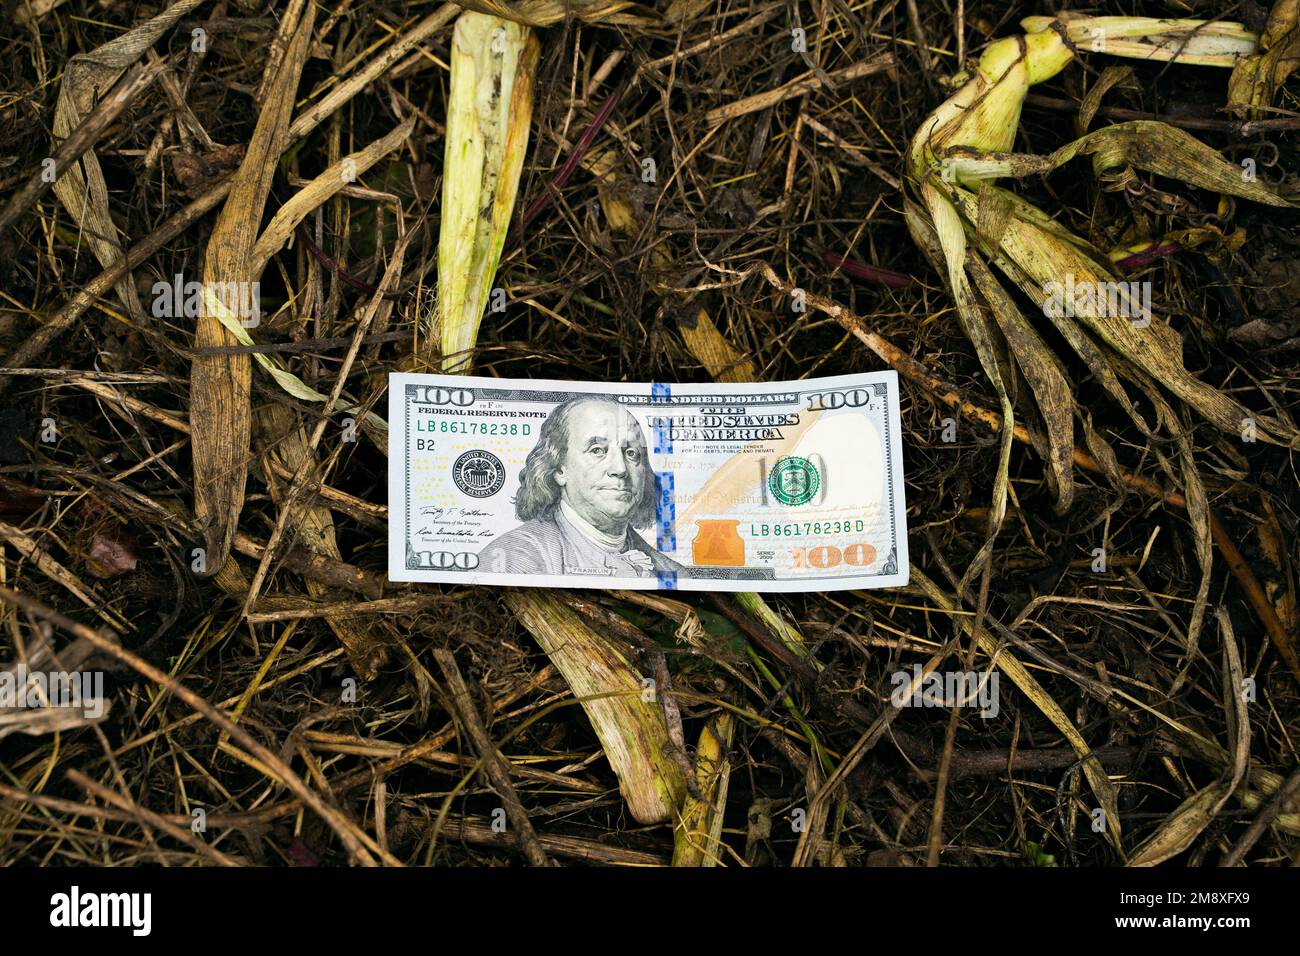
(489, 111)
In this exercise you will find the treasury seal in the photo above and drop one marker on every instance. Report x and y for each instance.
(794, 480)
(479, 473)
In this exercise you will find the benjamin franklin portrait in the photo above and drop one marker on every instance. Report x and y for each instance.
(585, 487)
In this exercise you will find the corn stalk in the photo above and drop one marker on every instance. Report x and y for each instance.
(969, 226)
(962, 219)
(489, 112)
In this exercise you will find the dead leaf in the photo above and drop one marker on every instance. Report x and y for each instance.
(220, 384)
(195, 172)
(81, 187)
(1257, 78)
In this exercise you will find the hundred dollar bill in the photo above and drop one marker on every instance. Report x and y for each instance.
(774, 486)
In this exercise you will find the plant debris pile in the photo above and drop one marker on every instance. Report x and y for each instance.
(711, 191)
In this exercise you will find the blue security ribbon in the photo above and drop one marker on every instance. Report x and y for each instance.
(663, 440)
(665, 513)
(666, 502)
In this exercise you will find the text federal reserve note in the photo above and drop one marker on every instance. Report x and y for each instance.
(776, 486)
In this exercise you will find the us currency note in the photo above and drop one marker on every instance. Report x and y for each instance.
(774, 486)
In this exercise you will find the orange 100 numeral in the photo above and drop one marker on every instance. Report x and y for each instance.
(828, 556)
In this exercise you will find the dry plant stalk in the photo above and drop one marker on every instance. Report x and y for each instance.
(1177, 832)
(697, 837)
(287, 444)
(237, 255)
(546, 13)
(489, 111)
(967, 226)
(963, 221)
(1024, 680)
(81, 187)
(632, 731)
(18, 689)
(1256, 79)
(220, 413)
(109, 107)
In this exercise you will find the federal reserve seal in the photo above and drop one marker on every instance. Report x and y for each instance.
(479, 473)
(794, 480)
